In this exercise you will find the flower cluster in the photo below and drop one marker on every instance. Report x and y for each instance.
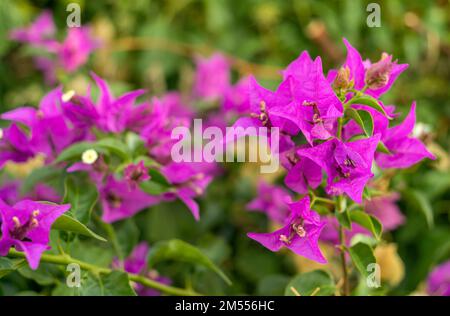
(346, 128)
(335, 133)
(68, 55)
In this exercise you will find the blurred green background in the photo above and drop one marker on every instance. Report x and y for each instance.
(151, 44)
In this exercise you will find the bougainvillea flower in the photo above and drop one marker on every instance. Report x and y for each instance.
(26, 226)
(300, 235)
(109, 114)
(405, 149)
(302, 173)
(272, 200)
(270, 109)
(164, 115)
(68, 55)
(49, 131)
(38, 33)
(348, 165)
(386, 210)
(212, 78)
(236, 98)
(274, 109)
(119, 202)
(76, 48)
(136, 263)
(439, 280)
(317, 104)
(14, 145)
(190, 180)
(114, 111)
(379, 76)
(135, 174)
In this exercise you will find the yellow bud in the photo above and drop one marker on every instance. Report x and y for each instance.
(342, 80)
(391, 265)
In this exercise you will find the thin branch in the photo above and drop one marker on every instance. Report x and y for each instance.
(190, 50)
(97, 270)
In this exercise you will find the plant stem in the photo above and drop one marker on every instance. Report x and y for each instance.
(323, 200)
(339, 128)
(96, 270)
(342, 241)
(346, 287)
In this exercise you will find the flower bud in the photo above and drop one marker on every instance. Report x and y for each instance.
(377, 75)
(342, 80)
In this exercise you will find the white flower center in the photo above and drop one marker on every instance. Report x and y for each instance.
(89, 156)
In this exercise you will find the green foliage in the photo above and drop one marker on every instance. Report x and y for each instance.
(317, 282)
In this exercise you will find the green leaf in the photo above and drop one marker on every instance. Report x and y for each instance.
(81, 197)
(181, 251)
(344, 219)
(117, 284)
(157, 176)
(420, 202)
(114, 284)
(362, 118)
(369, 101)
(362, 256)
(67, 223)
(127, 234)
(157, 184)
(318, 282)
(272, 285)
(75, 151)
(44, 275)
(105, 145)
(367, 120)
(153, 188)
(367, 221)
(8, 265)
(39, 175)
(114, 146)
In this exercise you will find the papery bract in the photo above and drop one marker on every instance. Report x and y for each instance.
(212, 78)
(300, 233)
(439, 280)
(26, 226)
(405, 149)
(119, 202)
(348, 165)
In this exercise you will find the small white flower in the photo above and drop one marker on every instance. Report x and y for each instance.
(67, 96)
(89, 156)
